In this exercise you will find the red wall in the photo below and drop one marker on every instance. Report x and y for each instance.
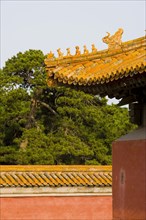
(57, 208)
(129, 180)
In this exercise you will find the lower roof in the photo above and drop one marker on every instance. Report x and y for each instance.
(55, 176)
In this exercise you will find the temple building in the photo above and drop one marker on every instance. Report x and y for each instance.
(84, 192)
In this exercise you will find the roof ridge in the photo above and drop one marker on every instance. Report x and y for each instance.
(124, 47)
(54, 168)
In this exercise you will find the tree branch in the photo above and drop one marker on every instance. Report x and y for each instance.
(48, 107)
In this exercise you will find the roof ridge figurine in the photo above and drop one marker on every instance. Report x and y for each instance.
(50, 55)
(86, 51)
(78, 52)
(94, 49)
(68, 52)
(60, 54)
(114, 41)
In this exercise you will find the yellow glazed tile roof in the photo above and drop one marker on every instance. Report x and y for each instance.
(120, 60)
(55, 176)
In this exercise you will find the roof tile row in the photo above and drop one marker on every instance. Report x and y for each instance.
(100, 176)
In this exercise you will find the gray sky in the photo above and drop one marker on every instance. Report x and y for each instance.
(49, 25)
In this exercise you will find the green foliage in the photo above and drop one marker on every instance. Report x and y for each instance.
(26, 69)
(40, 125)
(8, 155)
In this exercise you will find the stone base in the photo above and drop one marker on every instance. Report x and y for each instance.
(129, 176)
